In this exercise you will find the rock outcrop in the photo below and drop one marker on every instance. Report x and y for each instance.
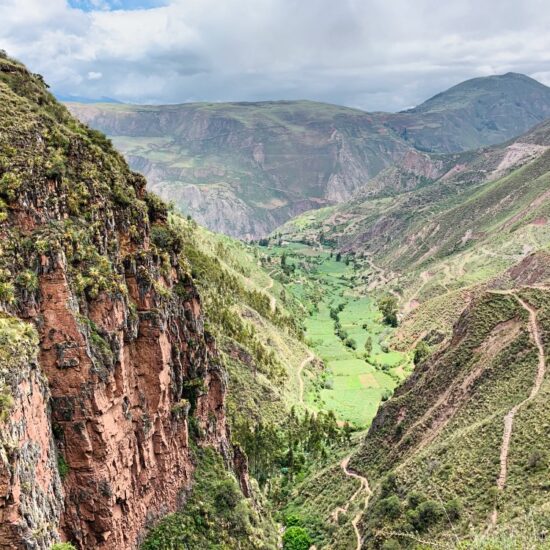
(122, 358)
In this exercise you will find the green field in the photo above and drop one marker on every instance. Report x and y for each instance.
(349, 383)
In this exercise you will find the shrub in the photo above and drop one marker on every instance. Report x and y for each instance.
(368, 346)
(389, 507)
(9, 185)
(350, 343)
(415, 498)
(388, 307)
(27, 280)
(6, 404)
(292, 520)
(421, 351)
(62, 466)
(454, 509)
(536, 460)
(429, 513)
(296, 538)
(386, 394)
(63, 546)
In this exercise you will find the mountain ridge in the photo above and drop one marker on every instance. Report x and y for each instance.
(245, 168)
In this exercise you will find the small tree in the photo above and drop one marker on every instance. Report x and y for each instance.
(388, 306)
(421, 351)
(368, 346)
(296, 538)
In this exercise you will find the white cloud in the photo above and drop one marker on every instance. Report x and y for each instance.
(372, 54)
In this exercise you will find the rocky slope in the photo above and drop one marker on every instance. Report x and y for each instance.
(243, 169)
(470, 199)
(246, 168)
(107, 370)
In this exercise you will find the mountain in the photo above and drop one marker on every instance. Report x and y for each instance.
(80, 99)
(457, 456)
(245, 168)
(460, 448)
(472, 198)
(478, 112)
(149, 369)
(373, 375)
(112, 391)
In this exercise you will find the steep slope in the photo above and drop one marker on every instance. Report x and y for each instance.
(436, 246)
(478, 112)
(461, 448)
(477, 197)
(107, 372)
(246, 168)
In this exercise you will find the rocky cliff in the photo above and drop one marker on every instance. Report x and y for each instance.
(107, 370)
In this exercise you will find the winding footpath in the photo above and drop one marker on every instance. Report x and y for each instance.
(363, 488)
(509, 418)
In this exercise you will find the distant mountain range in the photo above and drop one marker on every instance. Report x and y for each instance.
(86, 100)
(246, 168)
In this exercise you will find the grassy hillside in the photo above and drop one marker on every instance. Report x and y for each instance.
(438, 455)
(466, 257)
(434, 245)
(472, 114)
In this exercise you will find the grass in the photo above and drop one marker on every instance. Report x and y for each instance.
(349, 384)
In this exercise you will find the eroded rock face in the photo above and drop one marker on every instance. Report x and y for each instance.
(88, 258)
(31, 498)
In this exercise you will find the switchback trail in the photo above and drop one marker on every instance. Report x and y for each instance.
(509, 418)
(363, 487)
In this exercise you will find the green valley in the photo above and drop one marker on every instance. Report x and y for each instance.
(339, 321)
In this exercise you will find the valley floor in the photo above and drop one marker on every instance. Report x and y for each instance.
(352, 382)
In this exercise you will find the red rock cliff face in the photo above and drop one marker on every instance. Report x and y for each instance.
(30, 488)
(130, 369)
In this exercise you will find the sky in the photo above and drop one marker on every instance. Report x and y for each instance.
(370, 54)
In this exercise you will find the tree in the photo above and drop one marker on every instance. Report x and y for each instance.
(350, 343)
(429, 513)
(296, 538)
(388, 306)
(421, 351)
(338, 257)
(368, 346)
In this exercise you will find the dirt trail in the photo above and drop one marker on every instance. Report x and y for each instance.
(509, 418)
(307, 360)
(363, 487)
(425, 276)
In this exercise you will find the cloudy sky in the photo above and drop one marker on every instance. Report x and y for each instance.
(372, 54)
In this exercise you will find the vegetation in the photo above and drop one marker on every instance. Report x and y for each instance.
(215, 515)
(296, 538)
(289, 448)
(342, 320)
